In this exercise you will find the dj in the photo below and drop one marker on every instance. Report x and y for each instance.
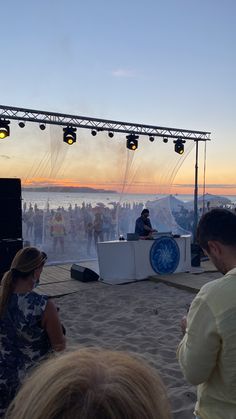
(143, 226)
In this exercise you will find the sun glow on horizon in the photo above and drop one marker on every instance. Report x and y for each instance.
(40, 159)
(135, 188)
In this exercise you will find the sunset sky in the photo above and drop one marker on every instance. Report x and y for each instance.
(167, 63)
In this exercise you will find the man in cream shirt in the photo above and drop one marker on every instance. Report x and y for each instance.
(207, 353)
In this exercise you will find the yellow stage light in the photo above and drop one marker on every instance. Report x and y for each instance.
(69, 135)
(179, 146)
(4, 129)
(132, 141)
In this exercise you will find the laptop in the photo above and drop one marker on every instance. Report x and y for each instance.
(132, 237)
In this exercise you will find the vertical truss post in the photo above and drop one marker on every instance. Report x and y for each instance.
(195, 220)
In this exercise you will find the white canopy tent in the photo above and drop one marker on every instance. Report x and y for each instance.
(210, 200)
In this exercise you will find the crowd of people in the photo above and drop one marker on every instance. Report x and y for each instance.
(85, 384)
(78, 229)
(101, 384)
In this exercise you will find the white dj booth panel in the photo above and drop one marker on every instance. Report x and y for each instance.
(124, 261)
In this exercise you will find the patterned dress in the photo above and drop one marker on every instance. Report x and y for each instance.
(23, 342)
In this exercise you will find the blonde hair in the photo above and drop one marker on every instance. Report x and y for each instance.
(24, 263)
(92, 384)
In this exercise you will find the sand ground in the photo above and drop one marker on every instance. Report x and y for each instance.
(143, 318)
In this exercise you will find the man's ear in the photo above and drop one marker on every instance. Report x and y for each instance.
(214, 247)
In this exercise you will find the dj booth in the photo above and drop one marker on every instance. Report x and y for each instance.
(125, 261)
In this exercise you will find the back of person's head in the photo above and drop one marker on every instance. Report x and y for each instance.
(28, 259)
(92, 384)
(24, 263)
(219, 225)
(145, 211)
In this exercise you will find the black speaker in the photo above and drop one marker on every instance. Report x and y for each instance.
(83, 274)
(8, 249)
(10, 187)
(195, 255)
(10, 209)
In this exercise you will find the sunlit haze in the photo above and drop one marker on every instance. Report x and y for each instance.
(167, 63)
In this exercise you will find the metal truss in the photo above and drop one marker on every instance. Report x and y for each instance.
(44, 117)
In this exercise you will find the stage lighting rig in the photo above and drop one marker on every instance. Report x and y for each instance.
(93, 132)
(151, 138)
(110, 134)
(21, 124)
(165, 140)
(4, 128)
(69, 136)
(132, 141)
(42, 127)
(179, 146)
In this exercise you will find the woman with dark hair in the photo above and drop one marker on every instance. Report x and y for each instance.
(30, 327)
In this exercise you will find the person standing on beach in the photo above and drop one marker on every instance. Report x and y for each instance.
(58, 232)
(207, 353)
(143, 226)
(98, 228)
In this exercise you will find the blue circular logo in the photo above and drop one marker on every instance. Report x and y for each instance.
(164, 255)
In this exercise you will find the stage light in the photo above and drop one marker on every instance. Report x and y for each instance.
(132, 141)
(179, 146)
(111, 134)
(21, 124)
(42, 127)
(4, 128)
(69, 136)
(151, 138)
(94, 132)
(165, 140)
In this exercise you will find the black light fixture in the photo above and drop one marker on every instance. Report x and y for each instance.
(69, 136)
(4, 128)
(110, 134)
(165, 140)
(42, 127)
(21, 124)
(94, 132)
(151, 138)
(179, 146)
(132, 141)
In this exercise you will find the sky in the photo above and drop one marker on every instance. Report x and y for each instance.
(161, 62)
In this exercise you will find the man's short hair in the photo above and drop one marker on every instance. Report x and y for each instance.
(145, 211)
(217, 224)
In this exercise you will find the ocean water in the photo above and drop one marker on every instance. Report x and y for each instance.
(65, 199)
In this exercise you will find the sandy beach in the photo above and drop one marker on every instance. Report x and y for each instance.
(143, 318)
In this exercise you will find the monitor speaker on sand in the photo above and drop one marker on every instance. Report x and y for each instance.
(10, 208)
(80, 273)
